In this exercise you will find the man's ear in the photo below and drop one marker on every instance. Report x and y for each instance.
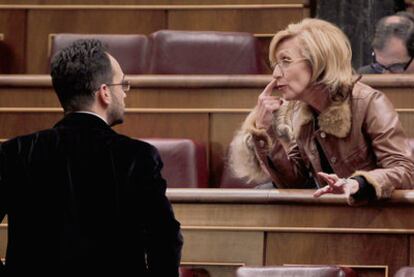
(104, 94)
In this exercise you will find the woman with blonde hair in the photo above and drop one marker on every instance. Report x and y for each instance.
(327, 130)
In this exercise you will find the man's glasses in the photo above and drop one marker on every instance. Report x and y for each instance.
(125, 85)
(393, 68)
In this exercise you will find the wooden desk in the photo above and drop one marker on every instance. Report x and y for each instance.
(224, 228)
(187, 91)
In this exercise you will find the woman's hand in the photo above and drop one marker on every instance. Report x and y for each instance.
(337, 185)
(267, 104)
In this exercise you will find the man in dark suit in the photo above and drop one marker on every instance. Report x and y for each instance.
(80, 198)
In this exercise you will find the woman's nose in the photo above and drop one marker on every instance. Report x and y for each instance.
(277, 72)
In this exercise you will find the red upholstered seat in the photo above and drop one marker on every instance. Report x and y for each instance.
(193, 272)
(185, 162)
(7, 57)
(296, 271)
(406, 271)
(202, 52)
(131, 51)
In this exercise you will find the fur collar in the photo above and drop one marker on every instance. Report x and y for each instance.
(335, 120)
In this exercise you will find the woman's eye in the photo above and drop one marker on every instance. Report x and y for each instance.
(285, 62)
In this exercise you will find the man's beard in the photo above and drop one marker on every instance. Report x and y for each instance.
(116, 115)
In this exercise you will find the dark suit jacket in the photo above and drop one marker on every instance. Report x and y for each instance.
(367, 69)
(82, 199)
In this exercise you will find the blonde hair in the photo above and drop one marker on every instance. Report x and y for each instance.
(326, 48)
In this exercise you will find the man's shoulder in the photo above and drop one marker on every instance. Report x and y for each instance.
(366, 69)
(30, 138)
(134, 144)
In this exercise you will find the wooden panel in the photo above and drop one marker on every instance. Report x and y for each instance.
(223, 246)
(227, 228)
(12, 47)
(41, 23)
(170, 97)
(15, 124)
(349, 249)
(3, 240)
(222, 126)
(407, 121)
(213, 98)
(154, 2)
(253, 21)
(183, 91)
(295, 217)
(28, 97)
(400, 97)
(166, 125)
(374, 239)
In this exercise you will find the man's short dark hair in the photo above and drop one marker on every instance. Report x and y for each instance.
(404, 29)
(78, 71)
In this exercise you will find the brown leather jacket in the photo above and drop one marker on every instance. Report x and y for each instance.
(361, 136)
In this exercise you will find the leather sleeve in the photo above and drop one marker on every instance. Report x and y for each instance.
(285, 164)
(258, 153)
(395, 168)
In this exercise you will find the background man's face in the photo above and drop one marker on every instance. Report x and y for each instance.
(394, 53)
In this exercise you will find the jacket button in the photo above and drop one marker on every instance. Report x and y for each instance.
(333, 160)
(323, 135)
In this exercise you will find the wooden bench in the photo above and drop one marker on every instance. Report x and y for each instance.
(226, 228)
(27, 27)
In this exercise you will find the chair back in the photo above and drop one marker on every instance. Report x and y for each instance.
(185, 162)
(406, 271)
(203, 52)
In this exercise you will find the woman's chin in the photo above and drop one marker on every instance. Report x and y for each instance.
(290, 95)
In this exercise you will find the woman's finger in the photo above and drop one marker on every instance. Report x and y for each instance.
(321, 191)
(269, 88)
(329, 178)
